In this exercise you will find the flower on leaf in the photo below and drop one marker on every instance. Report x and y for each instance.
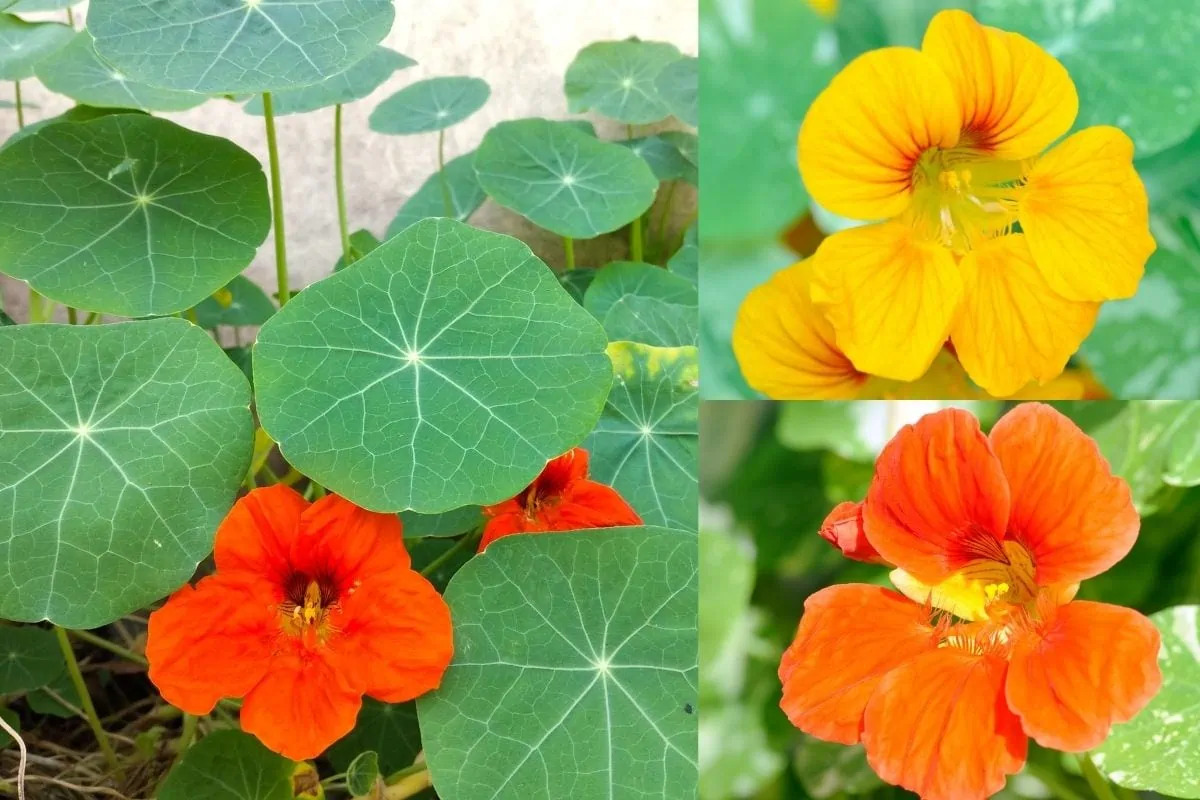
(561, 498)
(983, 646)
(311, 607)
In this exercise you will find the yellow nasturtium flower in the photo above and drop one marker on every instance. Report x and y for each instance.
(944, 146)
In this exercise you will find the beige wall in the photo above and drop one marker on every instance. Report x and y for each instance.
(520, 47)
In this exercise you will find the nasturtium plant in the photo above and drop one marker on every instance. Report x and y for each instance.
(334, 539)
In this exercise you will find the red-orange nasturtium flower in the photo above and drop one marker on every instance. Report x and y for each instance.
(982, 647)
(310, 608)
(560, 499)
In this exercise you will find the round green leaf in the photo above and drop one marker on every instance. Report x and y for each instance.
(232, 46)
(240, 302)
(389, 729)
(229, 765)
(77, 72)
(129, 214)
(644, 303)
(121, 449)
(29, 658)
(430, 105)
(40, 701)
(72, 114)
(354, 84)
(686, 261)
(466, 196)
(363, 773)
(664, 157)
(23, 44)
(562, 179)
(1134, 64)
(679, 87)
(451, 523)
(620, 80)
(445, 369)
(1156, 751)
(647, 441)
(574, 670)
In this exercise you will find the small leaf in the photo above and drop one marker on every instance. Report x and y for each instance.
(42, 702)
(229, 765)
(362, 242)
(644, 303)
(664, 158)
(357, 82)
(430, 105)
(239, 302)
(450, 523)
(619, 80)
(389, 729)
(679, 87)
(23, 44)
(466, 196)
(29, 658)
(362, 773)
(576, 282)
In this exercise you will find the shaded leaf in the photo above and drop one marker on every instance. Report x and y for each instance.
(240, 302)
(29, 658)
(388, 729)
(430, 105)
(23, 44)
(362, 242)
(229, 765)
(466, 196)
(644, 303)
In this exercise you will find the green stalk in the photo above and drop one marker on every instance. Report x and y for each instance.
(20, 106)
(660, 239)
(72, 315)
(112, 647)
(635, 230)
(569, 247)
(442, 172)
(466, 541)
(1100, 786)
(340, 177)
(85, 700)
(281, 267)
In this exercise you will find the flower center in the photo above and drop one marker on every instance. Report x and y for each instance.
(961, 196)
(998, 578)
(307, 606)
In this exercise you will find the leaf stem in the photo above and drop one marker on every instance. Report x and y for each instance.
(464, 543)
(569, 247)
(281, 267)
(340, 178)
(1096, 781)
(635, 230)
(85, 700)
(660, 239)
(112, 647)
(442, 173)
(91, 318)
(72, 315)
(20, 106)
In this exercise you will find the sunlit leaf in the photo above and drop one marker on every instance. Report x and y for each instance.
(619, 80)
(73, 114)
(644, 303)
(353, 84)
(466, 196)
(29, 658)
(679, 87)
(23, 44)
(430, 105)
(229, 765)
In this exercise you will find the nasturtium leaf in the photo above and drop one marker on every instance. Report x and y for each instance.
(647, 441)
(439, 559)
(14, 722)
(664, 158)
(40, 701)
(686, 261)
(362, 242)
(23, 44)
(243, 358)
(1133, 64)
(363, 773)
(389, 729)
(449, 523)
(121, 449)
(1151, 443)
(232, 46)
(562, 179)
(129, 214)
(25, 6)
(73, 114)
(679, 87)
(574, 670)
(430, 105)
(466, 196)
(1148, 346)
(240, 302)
(619, 80)
(77, 72)
(353, 84)
(688, 145)
(1156, 751)
(29, 658)
(5, 319)
(576, 282)
(229, 765)
(445, 369)
(644, 303)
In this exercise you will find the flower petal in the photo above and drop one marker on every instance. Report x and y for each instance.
(939, 499)
(1068, 509)
(259, 531)
(301, 707)
(1015, 99)
(786, 347)
(348, 543)
(211, 642)
(850, 636)
(1086, 668)
(843, 529)
(1085, 213)
(863, 134)
(1014, 328)
(890, 297)
(938, 725)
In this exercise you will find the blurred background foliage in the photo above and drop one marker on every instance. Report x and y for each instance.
(770, 472)
(1133, 63)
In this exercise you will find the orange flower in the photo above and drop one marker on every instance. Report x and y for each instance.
(560, 499)
(310, 608)
(983, 646)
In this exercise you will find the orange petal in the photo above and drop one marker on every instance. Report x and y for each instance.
(850, 637)
(863, 134)
(301, 707)
(560, 472)
(786, 347)
(1014, 328)
(1085, 214)
(843, 529)
(506, 524)
(890, 297)
(1068, 509)
(588, 504)
(258, 534)
(347, 542)
(938, 725)
(1014, 98)
(395, 639)
(1086, 668)
(211, 642)
(938, 499)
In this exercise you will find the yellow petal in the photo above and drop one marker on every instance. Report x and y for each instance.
(890, 297)
(961, 596)
(1014, 328)
(785, 347)
(1085, 214)
(1013, 96)
(863, 134)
